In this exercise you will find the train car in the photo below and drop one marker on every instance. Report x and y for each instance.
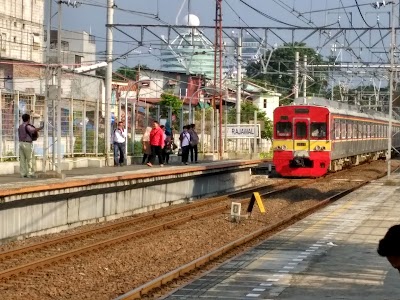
(314, 136)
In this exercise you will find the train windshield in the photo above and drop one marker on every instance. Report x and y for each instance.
(318, 130)
(301, 130)
(284, 129)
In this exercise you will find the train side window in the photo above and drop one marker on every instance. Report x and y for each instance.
(318, 130)
(349, 129)
(364, 130)
(284, 129)
(337, 129)
(343, 129)
(355, 129)
(301, 130)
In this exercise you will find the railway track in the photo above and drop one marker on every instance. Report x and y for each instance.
(10, 261)
(18, 266)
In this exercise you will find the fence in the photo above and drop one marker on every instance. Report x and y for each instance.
(82, 128)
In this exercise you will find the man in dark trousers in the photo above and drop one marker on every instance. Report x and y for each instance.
(389, 246)
(194, 141)
(157, 144)
(119, 138)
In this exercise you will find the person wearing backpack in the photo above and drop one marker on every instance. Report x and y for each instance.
(27, 134)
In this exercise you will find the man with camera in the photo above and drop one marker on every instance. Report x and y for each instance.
(119, 138)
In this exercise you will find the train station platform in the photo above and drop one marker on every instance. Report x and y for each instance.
(328, 255)
(34, 206)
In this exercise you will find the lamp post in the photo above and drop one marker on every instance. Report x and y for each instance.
(392, 46)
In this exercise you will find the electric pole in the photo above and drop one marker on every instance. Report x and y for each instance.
(108, 81)
(59, 73)
(296, 75)
(305, 77)
(391, 89)
(239, 78)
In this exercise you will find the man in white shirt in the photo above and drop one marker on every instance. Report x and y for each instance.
(185, 144)
(119, 137)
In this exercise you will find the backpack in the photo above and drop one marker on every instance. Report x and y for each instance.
(34, 136)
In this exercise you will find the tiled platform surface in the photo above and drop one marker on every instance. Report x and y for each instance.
(329, 255)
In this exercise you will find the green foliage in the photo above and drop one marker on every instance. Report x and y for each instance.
(266, 155)
(90, 142)
(136, 146)
(247, 115)
(169, 100)
(282, 65)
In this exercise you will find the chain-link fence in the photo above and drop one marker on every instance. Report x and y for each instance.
(82, 126)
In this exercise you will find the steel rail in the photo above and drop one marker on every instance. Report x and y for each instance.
(23, 269)
(182, 271)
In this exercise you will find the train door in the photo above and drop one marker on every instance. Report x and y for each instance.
(301, 137)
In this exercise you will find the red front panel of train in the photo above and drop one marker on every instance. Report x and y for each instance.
(301, 140)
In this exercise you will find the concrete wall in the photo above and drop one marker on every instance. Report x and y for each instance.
(65, 204)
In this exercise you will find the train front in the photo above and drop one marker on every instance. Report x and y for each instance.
(301, 142)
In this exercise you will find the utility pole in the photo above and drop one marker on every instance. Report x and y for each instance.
(296, 75)
(391, 89)
(108, 81)
(59, 71)
(46, 106)
(305, 77)
(239, 78)
(239, 84)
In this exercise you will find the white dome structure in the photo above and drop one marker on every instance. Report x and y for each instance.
(191, 20)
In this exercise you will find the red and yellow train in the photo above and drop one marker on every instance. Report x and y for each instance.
(314, 135)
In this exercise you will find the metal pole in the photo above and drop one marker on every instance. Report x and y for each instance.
(16, 122)
(239, 85)
(255, 130)
(203, 125)
(305, 77)
(1, 126)
(296, 75)
(47, 99)
(393, 43)
(84, 145)
(239, 78)
(96, 128)
(59, 88)
(71, 126)
(212, 135)
(133, 128)
(108, 81)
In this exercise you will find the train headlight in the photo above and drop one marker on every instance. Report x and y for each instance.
(318, 148)
(283, 147)
(323, 148)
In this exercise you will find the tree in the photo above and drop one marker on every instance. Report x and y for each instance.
(130, 73)
(280, 70)
(247, 115)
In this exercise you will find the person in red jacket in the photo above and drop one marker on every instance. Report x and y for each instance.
(157, 144)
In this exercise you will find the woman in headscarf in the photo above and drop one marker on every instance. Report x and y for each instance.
(146, 148)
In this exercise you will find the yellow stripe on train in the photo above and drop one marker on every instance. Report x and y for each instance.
(302, 145)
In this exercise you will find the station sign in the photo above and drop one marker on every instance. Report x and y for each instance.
(242, 131)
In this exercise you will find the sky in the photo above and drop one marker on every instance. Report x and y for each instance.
(91, 18)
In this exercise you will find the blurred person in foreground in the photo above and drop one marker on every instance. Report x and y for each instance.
(389, 246)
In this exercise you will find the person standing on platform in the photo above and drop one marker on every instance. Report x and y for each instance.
(27, 134)
(168, 148)
(119, 138)
(157, 144)
(389, 246)
(185, 144)
(194, 141)
(146, 148)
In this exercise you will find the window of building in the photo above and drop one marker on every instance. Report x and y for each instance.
(265, 103)
(15, 24)
(3, 41)
(23, 26)
(15, 39)
(78, 61)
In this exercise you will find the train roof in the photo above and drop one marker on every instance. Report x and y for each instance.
(342, 108)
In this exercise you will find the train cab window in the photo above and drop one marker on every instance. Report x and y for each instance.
(337, 129)
(284, 129)
(318, 130)
(301, 130)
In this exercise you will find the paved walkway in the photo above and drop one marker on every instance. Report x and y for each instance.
(329, 255)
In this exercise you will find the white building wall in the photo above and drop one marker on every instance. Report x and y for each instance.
(21, 30)
(267, 104)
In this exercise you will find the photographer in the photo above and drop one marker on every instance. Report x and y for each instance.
(119, 137)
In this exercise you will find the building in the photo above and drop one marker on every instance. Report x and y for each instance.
(21, 27)
(77, 48)
(190, 52)
(21, 38)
